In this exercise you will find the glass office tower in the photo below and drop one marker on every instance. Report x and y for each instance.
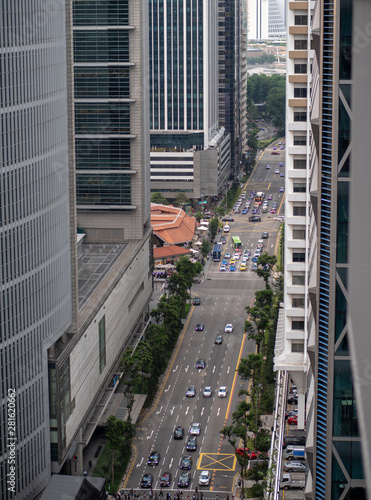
(34, 233)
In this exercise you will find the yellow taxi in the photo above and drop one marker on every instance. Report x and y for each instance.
(243, 267)
(232, 261)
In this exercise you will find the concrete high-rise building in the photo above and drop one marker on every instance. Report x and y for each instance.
(36, 298)
(190, 152)
(266, 19)
(323, 342)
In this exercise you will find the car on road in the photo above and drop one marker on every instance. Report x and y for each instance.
(219, 339)
(232, 261)
(223, 240)
(223, 391)
(227, 255)
(244, 211)
(191, 391)
(254, 266)
(255, 258)
(251, 455)
(196, 301)
(179, 432)
(269, 197)
(228, 328)
(273, 210)
(275, 152)
(243, 266)
(199, 327)
(224, 262)
(191, 443)
(186, 462)
(228, 218)
(255, 218)
(282, 190)
(195, 429)
(200, 363)
(207, 393)
(282, 174)
(274, 204)
(236, 256)
(244, 259)
(154, 458)
(280, 164)
(255, 211)
(147, 481)
(280, 218)
(267, 167)
(265, 235)
(165, 479)
(184, 479)
(232, 268)
(295, 467)
(204, 478)
(277, 171)
(274, 148)
(222, 268)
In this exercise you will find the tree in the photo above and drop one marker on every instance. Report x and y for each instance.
(158, 198)
(213, 227)
(276, 106)
(199, 216)
(181, 199)
(205, 248)
(119, 433)
(266, 264)
(250, 368)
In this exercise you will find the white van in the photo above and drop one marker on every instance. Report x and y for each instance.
(226, 229)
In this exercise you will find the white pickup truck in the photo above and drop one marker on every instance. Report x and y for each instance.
(287, 482)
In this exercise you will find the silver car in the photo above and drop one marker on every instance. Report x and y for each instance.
(207, 392)
(294, 467)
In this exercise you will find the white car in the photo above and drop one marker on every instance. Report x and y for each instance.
(244, 260)
(222, 268)
(204, 478)
(222, 393)
(236, 256)
(195, 429)
(207, 392)
(277, 171)
(228, 328)
(280, 218)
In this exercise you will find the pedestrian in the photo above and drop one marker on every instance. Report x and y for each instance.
(161, 493)
(196, 490)
(85, 473)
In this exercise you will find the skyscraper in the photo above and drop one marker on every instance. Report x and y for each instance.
(34, 234)
(189, 150)
(326, 287)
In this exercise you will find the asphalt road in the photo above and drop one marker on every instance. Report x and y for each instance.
(224, 297)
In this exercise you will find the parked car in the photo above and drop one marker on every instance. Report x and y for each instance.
(294, 467)
(293, 441)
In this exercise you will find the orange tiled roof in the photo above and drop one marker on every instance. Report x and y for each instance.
(169, 251)
(172, 225)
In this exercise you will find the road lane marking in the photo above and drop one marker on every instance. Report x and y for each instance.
(235, 376)
(149, 437)
(167, 388)
(138, 465)
(187, 410)
(159, 411)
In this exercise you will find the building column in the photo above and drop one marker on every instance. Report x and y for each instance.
(301, 410)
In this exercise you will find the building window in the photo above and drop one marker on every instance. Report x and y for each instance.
(298, 279)
(299, 210)
(300, 44)
(298, 234)
(298, 256)
(300, 92)
(296, 347)
(102, 344)
(300, 68)
(298, 302)
(301, 20)
(300, 116)
(300, 140)
(300, 187)
(300, 164)
(297, 324)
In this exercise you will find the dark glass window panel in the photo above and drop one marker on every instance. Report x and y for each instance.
(301, 20)
(301, 44)
(103, 189)
(345, 52)
(96, 82)
(101, 46)
(344, 129)
(300, 68)
(113, 154)
(345, 411)
(100, 13)
(300, 92)
(342, 222)
(102, 118)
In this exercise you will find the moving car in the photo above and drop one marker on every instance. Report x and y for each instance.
(207, 392)
(222, 268)
(225, 262)
(196, 301)
(267, 167)
(222, 240)
(204, 478)
(191, 391)
(200, 363)
(282, 190)
(179, 432)
(191, 443)
(228, 328)
(255, 218)
(232, 261)
(265, 235)
(280, 218)
(227, 255)
(199, 327)
(280, 164)
(269, 197)
(223, 391)
(154, 458)
(282, 174)
(228, 218)
(277, 171)
(218, 340)
(184, 479)
(243, 266)
(165, 479)
(275, 153)
(147, 480)
(232, 268)
(186, 462)
(195, 429)
(244, 211)
(295, 467)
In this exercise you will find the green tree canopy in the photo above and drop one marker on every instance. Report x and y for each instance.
(205, 248)
(158, 198)
(213, 227)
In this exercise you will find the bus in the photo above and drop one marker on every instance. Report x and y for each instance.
(236, 242)
(217, 252)
(259, 197)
